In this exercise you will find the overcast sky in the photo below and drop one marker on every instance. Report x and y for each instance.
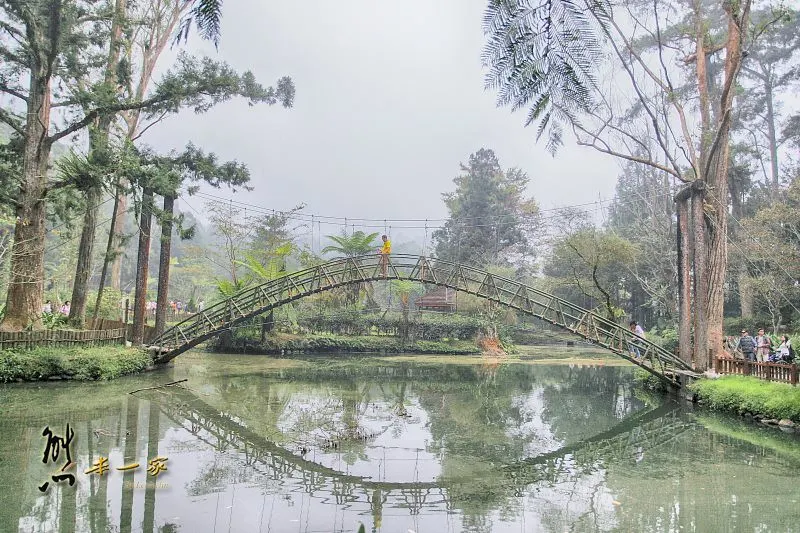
(390, 98)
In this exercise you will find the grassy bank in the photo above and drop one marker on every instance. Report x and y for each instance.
(103, 362)
(285, 343)
(750, 396)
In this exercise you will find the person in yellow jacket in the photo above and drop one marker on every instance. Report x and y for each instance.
(384, 252)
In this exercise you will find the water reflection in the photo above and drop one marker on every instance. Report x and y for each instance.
(397, 445)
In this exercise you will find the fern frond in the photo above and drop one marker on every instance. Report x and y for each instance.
(542, 55)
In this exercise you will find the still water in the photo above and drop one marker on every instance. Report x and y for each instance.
(421, 444)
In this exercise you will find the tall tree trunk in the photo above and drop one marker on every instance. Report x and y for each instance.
(98, 154)
(163, 26)
(684, 283)
(117, 229)
(701, 279)
(26, 280)
(773, 138)
(746, 297)
(745, 291)
(717, 178)
(77, 311)
(163, 264)
(106, 260)
(142, 266)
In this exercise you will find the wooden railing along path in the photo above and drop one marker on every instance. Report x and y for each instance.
(98, 332)
(780, 372)
(60, 338)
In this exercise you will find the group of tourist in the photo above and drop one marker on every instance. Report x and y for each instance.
(176, 306)
(49, 308)
(760, 348)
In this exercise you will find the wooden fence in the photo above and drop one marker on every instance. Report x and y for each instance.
(770, 371)
(100, 332)
(61, 338)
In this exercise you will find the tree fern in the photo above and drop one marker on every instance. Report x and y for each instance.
(206, 15)
(542, 55)
(359, 243)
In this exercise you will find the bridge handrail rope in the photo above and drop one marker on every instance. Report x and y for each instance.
(465, 278)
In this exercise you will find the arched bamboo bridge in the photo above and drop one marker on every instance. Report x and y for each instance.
(346, 271)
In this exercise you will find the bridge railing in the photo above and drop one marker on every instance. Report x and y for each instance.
(344, 271)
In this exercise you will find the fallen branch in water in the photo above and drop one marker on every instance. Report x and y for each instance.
(159, 386)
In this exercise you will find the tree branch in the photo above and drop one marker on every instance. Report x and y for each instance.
(153, 123)
(607, 150)
(95, 113)
(12, 57)
(7, 118)
(10, 201)
(13, 92)
(691, 58)
(14, 32)
(643, 100)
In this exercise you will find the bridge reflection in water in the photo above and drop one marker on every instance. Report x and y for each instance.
(222, 432)
(536, 468)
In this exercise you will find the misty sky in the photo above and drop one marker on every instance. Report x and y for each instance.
(390, 98)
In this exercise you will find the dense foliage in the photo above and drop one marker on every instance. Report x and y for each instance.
(490, 219)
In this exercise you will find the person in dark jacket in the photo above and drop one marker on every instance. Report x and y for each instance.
(747, 345)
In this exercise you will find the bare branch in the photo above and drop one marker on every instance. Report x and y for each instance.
(642, 99)
(606, 149)
(153, 123)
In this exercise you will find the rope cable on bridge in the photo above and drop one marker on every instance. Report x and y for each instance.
(385, 221)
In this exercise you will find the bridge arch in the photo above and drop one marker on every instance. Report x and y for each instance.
(366, 268)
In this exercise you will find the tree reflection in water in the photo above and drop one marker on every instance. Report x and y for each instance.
(455, 447)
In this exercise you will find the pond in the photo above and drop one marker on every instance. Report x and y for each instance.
(421, 444)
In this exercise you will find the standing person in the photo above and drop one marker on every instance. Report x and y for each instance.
(384, 252)
(637, 330)
(763, 346)
(201, 305)
(747, 345)
(785, 350)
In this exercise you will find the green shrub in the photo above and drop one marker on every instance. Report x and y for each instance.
(54, 320)
(421, 326)
(102, 362)
(340, 343)
(109, 304)
(744, 394)
(666, 338)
